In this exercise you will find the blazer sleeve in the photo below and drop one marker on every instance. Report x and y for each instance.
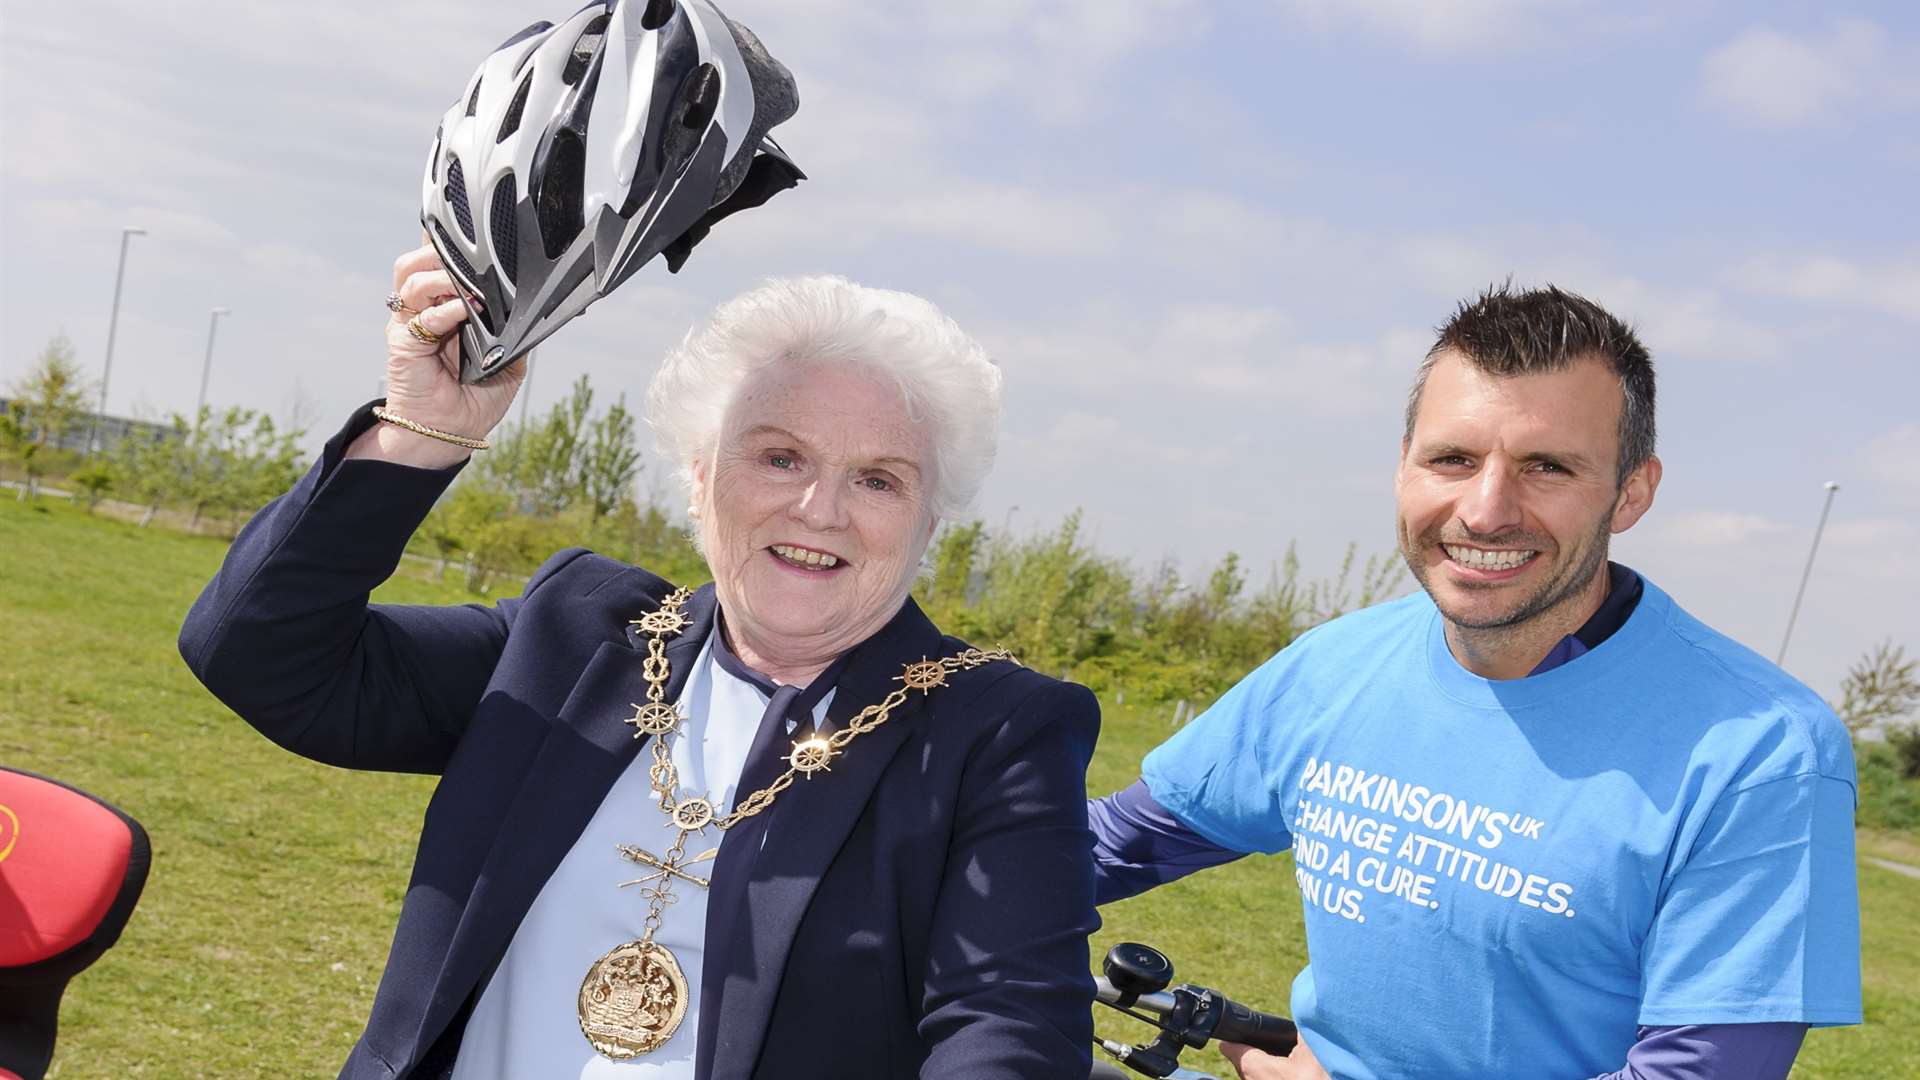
(284, 634)
(1008, 991)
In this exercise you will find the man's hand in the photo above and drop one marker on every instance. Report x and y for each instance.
(1254, 1064)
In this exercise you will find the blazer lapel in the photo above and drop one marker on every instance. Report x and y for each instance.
(586, 749)
(747, 946)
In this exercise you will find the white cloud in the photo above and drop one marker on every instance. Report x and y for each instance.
(1771, 79)
(1686, 321)
(1893, 461)
(1199, 353)
(1451, 26)
(1076, 438)
(1890, 286)
(1714, 529)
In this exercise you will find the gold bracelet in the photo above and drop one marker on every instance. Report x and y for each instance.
(431, 433)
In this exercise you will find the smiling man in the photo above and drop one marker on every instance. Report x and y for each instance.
(1544, 823)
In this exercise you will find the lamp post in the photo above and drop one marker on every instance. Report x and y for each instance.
(1006, 523)
(1833, 488)
(113, 324)
(526, 389)
(206, 367)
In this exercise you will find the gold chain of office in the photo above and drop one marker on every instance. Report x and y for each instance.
(634, 997)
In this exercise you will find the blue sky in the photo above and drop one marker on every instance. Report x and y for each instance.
(1206, 241)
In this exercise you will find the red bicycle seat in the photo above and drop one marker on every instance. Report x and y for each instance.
(71, 870)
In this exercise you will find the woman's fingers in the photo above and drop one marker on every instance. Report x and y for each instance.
(413, 262)
(423, 289)
(443, 318)
(437, 325)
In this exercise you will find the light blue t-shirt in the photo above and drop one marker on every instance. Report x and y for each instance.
(1505, 879)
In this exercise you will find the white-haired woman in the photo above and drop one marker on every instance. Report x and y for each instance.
(777, 826)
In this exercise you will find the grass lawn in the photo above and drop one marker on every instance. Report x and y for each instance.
(255, 950)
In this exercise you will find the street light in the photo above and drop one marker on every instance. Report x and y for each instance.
(1006, 523)
(526, 390)
(113, 324)
(1833, 488)
(206, 368)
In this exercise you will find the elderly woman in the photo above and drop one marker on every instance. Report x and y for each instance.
(777, 826)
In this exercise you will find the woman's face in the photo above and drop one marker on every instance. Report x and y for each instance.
(814, 510)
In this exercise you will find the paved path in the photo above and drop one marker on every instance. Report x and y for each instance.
(1896, 867)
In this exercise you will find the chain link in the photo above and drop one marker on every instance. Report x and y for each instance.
(923, 675)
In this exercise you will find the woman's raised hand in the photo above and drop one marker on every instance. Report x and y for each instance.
(423, 377)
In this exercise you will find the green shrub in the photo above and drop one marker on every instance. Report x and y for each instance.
(1905, 740)
(1889, 797)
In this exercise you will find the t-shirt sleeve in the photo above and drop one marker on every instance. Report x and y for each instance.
(1220, 774)
(1761, 919)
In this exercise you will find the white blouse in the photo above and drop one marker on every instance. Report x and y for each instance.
(525, 1023)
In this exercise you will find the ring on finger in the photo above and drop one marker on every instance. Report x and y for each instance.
(398, 306)
(421, 332)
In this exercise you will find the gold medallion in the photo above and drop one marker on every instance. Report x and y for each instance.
(632, 1000)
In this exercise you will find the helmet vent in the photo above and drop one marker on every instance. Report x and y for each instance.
(584, 49)
(465, 278)
(452, 250)
(456, 193)
(703, 97)
(504, 225)
(559, 209)
(657, 14)
(473, 99)
(699, 97)
(511, 122)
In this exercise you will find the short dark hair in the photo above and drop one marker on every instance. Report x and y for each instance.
(1507, 333)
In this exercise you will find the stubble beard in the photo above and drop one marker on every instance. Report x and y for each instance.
(1551, 593)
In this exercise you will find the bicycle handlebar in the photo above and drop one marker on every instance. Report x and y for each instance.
(1260, 1030)
(1214, 1016)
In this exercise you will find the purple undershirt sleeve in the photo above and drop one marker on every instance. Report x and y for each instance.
(1138, 844)
(1713, 1052)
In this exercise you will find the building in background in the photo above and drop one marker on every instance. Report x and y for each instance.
(112, 429)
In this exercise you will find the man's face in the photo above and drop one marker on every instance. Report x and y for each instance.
(1507, 490)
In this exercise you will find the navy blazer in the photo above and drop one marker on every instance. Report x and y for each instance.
(921, 910)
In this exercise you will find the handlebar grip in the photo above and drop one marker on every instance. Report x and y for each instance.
(1262, 1031)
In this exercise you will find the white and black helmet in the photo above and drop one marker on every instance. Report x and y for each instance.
(578, 152)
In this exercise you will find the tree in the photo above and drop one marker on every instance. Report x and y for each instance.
(950, 585)
(55, 393)
(227, 464)
(1881, 689)
(150, 468)
(94, 478)
(47, 402)
(17, 442)
(568, 459)
(567, 478)
(248, 465)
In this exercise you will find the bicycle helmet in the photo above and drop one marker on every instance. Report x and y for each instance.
(578, 152)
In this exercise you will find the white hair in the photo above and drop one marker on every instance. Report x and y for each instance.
(946, 378)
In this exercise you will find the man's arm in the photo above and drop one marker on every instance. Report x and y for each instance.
(1139, 844)
(1710, 1051)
